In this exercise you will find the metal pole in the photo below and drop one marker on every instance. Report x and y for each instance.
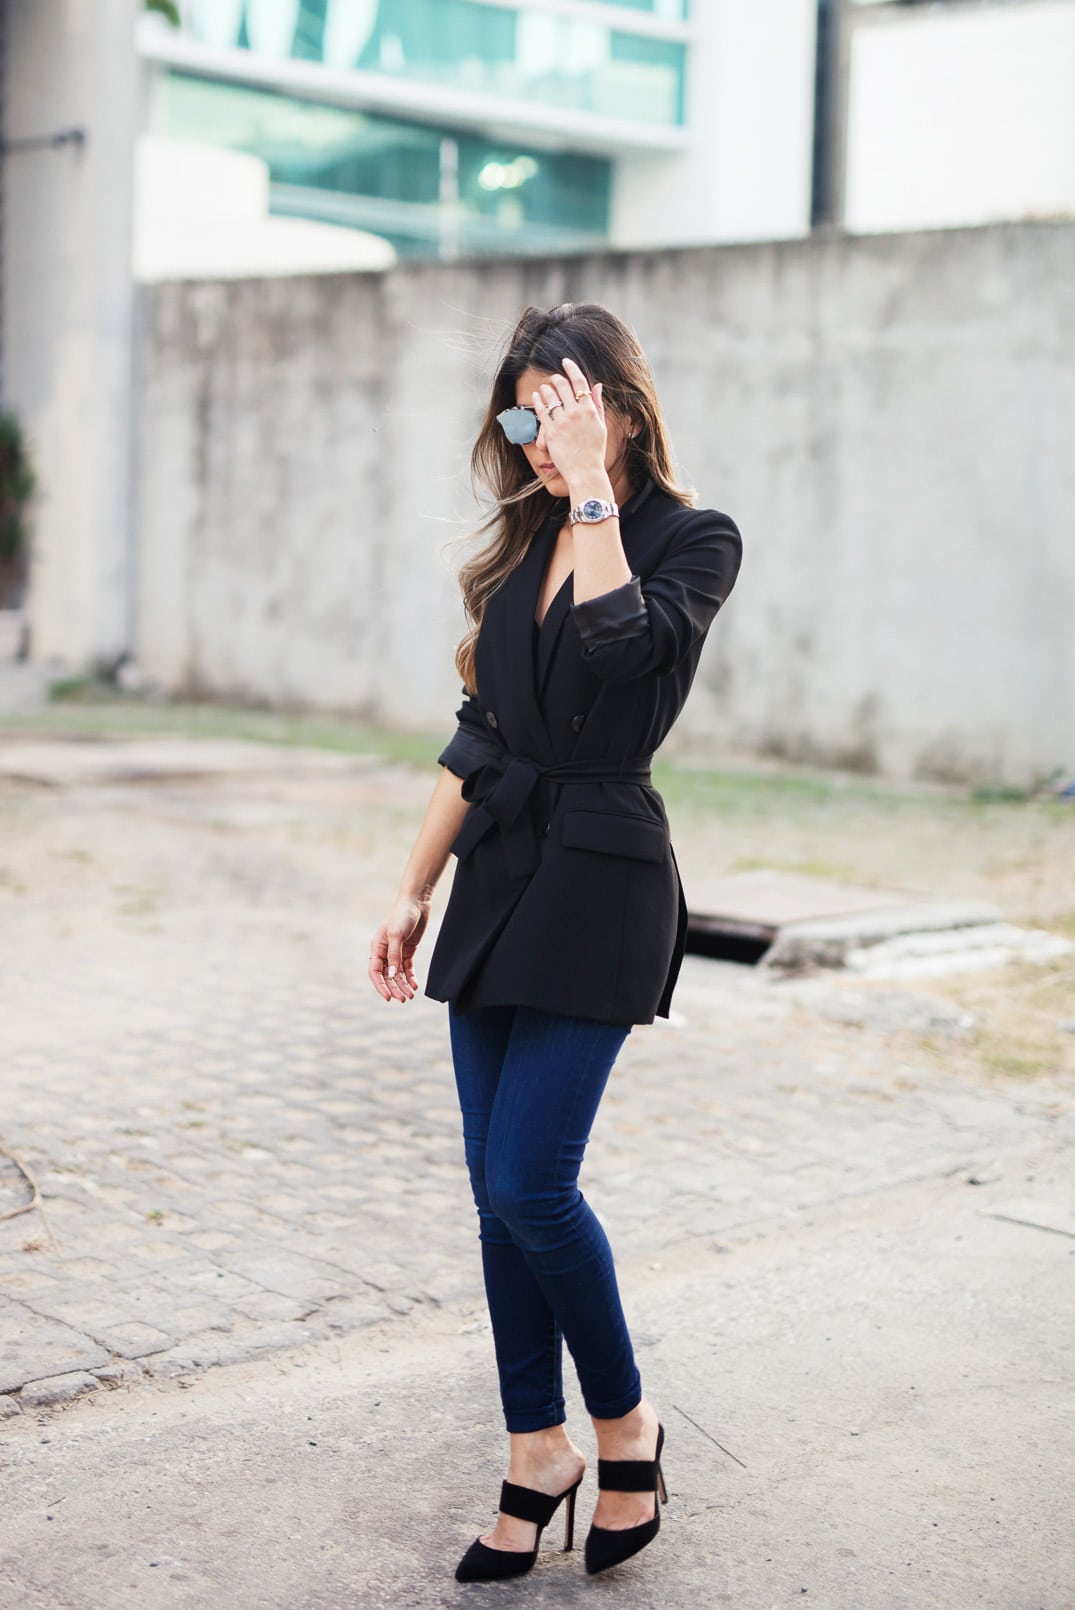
(3, 192)
(834, 25)
(448, 201)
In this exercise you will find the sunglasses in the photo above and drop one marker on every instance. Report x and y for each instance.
(520, 425)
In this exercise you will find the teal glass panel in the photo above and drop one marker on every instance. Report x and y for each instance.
(642, 57)
(667, 10)
(385, 175)
(530, 55)
(582, 64)
(309, 41)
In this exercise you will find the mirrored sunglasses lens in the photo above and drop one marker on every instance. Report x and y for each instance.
(519, 425)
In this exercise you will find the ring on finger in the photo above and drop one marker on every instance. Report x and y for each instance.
(554, 406)
(579, 395)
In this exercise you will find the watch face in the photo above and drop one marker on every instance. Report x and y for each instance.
(593, 509)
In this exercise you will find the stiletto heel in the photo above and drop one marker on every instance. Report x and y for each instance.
(569, 1517)
(605, 1547)
(482, 1564)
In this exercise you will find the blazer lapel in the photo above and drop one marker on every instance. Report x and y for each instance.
(551, 626)
(629, 525)
(549, 631)
(517, 674)
(519, 604)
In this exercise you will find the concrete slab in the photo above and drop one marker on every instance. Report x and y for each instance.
(862, 1413)
(966, 948)
(767, 895)
(819, 922)
(55, 1390)
(32, 1346)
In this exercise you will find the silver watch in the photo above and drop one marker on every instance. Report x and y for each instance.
(592, 512)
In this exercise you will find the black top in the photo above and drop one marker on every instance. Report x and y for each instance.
(566, 894)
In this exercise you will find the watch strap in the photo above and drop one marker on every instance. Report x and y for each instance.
(593, 511)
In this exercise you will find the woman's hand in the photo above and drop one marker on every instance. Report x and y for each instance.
(392, 948)
(573, 419)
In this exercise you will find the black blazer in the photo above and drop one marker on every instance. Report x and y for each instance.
(566, 893)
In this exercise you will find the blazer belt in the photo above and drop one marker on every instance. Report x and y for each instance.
(505, 804)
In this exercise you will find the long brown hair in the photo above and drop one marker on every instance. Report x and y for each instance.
(606, 351)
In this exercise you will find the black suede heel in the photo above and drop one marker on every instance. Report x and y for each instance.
(482, 1564)
(605, 1547)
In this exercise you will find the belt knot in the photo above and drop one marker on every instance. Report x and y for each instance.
(500, 791)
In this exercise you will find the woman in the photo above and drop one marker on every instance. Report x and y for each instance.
(566, 922)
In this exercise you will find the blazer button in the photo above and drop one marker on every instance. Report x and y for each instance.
(491, 718)
(576, 723)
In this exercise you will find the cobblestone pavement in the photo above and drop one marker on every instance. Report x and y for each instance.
(241, 1148)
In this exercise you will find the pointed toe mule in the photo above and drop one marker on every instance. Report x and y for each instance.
(482, 1564)
(605, 1547)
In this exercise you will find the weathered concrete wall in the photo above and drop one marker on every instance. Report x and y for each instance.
(68, 311)
(889, 419)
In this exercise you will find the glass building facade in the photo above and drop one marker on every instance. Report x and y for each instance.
(432, 183)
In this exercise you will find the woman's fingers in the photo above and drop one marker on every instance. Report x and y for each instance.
(580, 386)
(377, 962)
(562, 388)
(570, 390)
(548, 398)
(557, 406)
(391, 972)
(394, 972)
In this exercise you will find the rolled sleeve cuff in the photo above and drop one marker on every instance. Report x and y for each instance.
(464, 754)
(613, 617)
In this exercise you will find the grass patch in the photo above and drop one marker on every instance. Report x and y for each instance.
(135, 900)
(1061, 922)
(998, 793)
(1020, 1009)
(85, 713)
(730, 792)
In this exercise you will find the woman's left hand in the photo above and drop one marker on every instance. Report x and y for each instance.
(573, 419)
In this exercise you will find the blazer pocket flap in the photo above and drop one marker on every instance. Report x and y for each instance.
(612, 833)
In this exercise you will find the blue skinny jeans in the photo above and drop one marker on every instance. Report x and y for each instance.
(529, 1087)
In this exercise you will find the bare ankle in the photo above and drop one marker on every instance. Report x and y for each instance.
(637, 1426)
(529, 1444)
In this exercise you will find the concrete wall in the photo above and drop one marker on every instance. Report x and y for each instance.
(68, 310)
(961, 115)
(888, 419)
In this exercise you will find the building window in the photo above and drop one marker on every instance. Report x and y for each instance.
(530, 54)
(385, 175)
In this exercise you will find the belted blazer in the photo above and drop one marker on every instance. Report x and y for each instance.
(566, 894)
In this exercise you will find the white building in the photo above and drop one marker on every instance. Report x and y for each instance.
(505, 125)
(959, 112)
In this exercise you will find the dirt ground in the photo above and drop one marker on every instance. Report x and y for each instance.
(1017, 853)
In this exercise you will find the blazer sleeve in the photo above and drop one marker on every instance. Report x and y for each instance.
(646, 627)
(472, 744)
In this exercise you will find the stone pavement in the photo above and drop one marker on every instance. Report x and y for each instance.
(242, 1151)
(240, 1147)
